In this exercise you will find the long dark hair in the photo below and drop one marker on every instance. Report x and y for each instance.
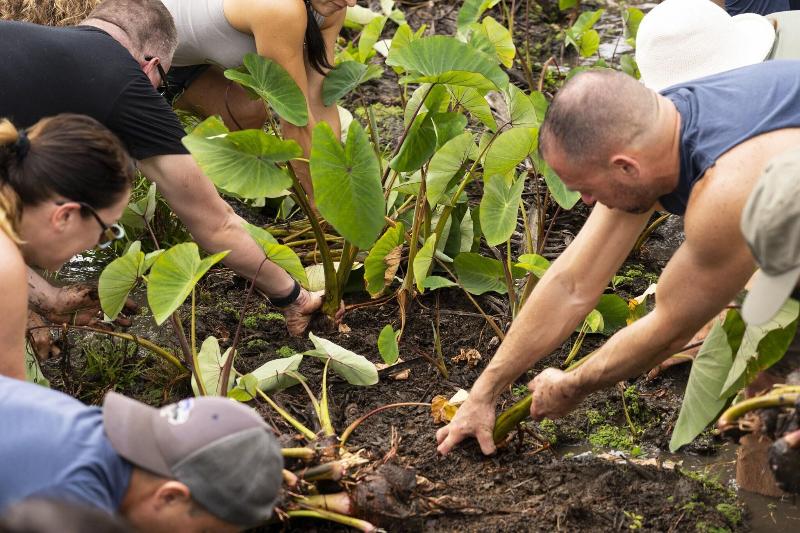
(70, 155)
(315, 45)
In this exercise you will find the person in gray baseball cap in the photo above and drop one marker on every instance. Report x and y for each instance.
(770, 224)
(199, 465)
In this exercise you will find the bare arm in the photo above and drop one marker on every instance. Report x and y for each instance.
(14, 287)
(704, 275)
(564, 296)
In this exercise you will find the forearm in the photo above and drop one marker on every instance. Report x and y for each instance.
(632, 351)
(41, 294)
(550, 315)
(245, 255)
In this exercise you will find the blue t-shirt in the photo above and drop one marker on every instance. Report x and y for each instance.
(721, 111)
(760, 7)
(53, 446)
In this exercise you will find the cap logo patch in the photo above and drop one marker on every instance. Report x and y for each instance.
(177, 413)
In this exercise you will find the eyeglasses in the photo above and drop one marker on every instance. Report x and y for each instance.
(109, 234)
(163, 88)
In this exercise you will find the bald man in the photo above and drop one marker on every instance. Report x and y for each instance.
(697, 149)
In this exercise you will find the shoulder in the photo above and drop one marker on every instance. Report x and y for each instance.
(13, 270)
(285, 17)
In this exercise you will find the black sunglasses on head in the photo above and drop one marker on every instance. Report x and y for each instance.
(163, 87)
(109, 234)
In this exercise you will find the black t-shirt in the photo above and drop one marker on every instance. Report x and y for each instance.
(45, 71)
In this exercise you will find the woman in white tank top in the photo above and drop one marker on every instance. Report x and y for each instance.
(216, 34)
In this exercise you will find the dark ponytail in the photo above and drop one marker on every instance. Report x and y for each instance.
(315, 45)
(68, 155)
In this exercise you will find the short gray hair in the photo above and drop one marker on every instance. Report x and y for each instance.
(148, 24)
(595, 112)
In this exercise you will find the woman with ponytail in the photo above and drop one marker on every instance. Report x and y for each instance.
(64, 183)
(216, 34)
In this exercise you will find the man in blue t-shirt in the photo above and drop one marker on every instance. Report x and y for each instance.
(697, 150)
(206, 464)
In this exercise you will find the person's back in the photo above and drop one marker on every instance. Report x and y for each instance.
(54, 446)
(722, 111)
(47, 71)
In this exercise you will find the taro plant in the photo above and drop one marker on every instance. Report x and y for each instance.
(582, 35)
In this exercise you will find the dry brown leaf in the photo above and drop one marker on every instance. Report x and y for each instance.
(442, 410)
(344, 328)
(471, 357)
(392, 262)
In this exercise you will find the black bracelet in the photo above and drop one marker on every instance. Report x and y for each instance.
(288, 299)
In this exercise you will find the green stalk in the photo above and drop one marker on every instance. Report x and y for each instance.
(324, 411)
(333, 471)
(307, 433)
(306, 454)
(578, 343)
(648, 231)
(512, 290)
(314, 402)
(511, 417)
(333, 295)
(413, 243)
(339, 502)
(355, 523)
(448, 209)
(349, 253)
(198, 377)
(734, 412)
(193, 330)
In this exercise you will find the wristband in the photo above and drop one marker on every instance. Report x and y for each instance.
(289, 299)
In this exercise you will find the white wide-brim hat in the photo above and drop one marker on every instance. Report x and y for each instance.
(682, 40)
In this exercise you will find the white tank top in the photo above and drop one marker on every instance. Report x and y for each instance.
(206, 36)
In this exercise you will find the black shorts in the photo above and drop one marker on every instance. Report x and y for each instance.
(180, 78)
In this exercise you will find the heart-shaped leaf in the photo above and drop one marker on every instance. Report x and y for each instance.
(356, 369)
(271, 82)
(210, 363)
(173, 276)
(499, 208)
(347, 183)
(242, 163)
(119, 278)
(382, 262)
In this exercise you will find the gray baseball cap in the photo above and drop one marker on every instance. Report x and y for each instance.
(222, 450)
(771, 226)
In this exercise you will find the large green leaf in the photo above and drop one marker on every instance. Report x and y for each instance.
(533, 263)
(499, 208)
(540, 105)
(448, 126)
(347, 183)
(561, 194)
(369, 36)
(446, 163)
(345, 77)
(274, 375)
(271, 82)
(210, 362)
(436, 100)
(242, 162)
(418, 147)
(615, 313)
(173, 276)
(479, 274)
(119, 278)
(762, 346)
(387, 345)
(471, 11)
(376, 265)
(475, 103)
(423, 260)
(280, 254)
(701, 402)
(521, 109)
(500, 38)
(356, 369)
(509, 150)
(442, 59)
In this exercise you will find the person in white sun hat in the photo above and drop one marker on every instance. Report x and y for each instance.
(682, 40)
(771, 226)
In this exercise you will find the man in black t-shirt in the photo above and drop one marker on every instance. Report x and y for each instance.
(109, 67)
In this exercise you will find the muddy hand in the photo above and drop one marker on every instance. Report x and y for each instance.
(41, 338)
(553, 394)
(475, 418)
(79, 305)
(299, 314)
